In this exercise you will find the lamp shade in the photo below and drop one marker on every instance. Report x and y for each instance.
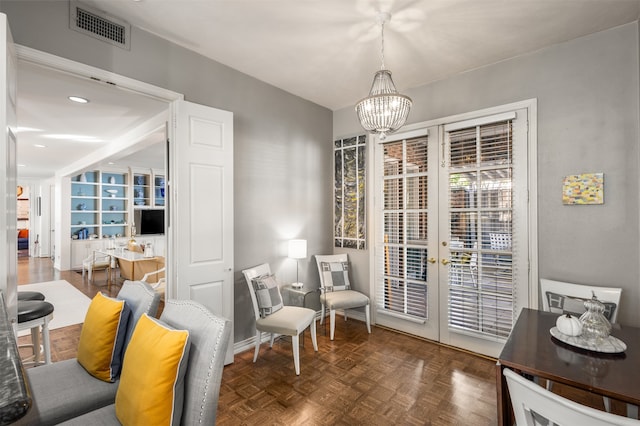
(298, 249)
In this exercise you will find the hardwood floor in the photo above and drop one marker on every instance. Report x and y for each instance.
(378, 379)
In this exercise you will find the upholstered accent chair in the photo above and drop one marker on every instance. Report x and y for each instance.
(275, 318)
(63, 390)
(209, 336)
(336, 292)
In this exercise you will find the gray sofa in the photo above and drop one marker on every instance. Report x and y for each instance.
(64, 390)
(209, 336)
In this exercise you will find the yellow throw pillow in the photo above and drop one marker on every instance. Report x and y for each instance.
(151, 389)
(102, 337)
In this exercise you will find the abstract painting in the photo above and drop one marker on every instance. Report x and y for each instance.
(585, 188)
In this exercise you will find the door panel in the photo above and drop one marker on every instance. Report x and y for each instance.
(483, 281)
(8, 202)
(200, 184)
(406, 249)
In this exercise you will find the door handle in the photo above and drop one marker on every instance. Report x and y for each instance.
(432, 260)
(445, 261)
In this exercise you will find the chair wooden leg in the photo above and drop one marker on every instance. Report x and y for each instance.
(322, 315)
(632, 411)
(332, 323)
(295, 341)
(273, 337)
(367, 315)
(258, 338)
(313, 335)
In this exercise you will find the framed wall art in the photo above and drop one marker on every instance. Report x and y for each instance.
(585, 188)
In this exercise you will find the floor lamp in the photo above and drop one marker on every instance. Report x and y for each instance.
(297, 250)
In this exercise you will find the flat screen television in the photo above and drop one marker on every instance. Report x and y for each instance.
(149, 221)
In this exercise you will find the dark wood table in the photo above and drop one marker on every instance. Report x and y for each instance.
(532, 350)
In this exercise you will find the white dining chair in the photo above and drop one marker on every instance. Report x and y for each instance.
(534, 405)
(564, 297)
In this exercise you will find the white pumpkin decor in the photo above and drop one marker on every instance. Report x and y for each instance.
(569, 325)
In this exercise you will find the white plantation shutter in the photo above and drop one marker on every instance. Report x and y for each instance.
(402, 288)
(481, 288)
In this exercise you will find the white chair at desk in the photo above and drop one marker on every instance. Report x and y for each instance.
(96, 262)
(160, 284)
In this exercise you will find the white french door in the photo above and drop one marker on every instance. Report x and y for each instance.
(406, 240)
(451, 258)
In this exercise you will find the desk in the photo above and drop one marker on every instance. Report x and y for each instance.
(531, 349)
(133, 265)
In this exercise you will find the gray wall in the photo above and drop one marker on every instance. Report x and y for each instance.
(283, 145)
(587, 91)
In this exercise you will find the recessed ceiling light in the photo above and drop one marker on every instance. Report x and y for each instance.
(79, 99)
(27, 129)
(40, 145)
(76, 138)
(22, 165)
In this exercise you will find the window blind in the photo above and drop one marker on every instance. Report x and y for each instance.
(403, 289)
(481, 292)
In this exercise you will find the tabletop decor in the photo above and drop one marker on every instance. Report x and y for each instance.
(591, 331)
(610, 344)
(595, 325)
(569, 325)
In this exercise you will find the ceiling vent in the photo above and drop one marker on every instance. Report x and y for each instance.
(99, 25)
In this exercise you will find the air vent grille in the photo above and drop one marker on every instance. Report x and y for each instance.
(98, 25)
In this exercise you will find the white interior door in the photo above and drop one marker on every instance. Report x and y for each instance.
(200, 225)
(8, 202)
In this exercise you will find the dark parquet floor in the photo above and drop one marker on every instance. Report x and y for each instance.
(381, 378)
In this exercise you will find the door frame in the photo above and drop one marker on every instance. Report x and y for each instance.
(531, 105)
(57, 63)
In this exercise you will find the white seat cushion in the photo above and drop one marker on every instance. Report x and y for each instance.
(290, 320)
(344, 299)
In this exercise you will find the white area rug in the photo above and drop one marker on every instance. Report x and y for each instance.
(69, 304)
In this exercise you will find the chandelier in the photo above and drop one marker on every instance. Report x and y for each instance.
(384, 110)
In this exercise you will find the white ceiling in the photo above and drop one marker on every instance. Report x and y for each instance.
(67, 131)
(325, 51)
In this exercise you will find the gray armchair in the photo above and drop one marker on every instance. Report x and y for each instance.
(209, 336)
(64, 389)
